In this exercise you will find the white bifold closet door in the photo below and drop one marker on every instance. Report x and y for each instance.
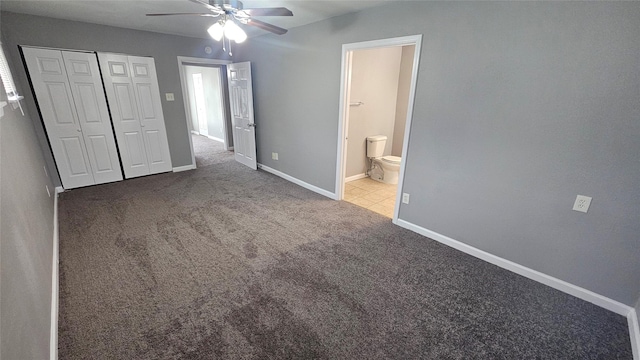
(134, 98)
(74, 110)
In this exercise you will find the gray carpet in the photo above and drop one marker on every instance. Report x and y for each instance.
(228, 263)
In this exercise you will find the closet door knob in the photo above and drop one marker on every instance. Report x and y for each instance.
(79, 130)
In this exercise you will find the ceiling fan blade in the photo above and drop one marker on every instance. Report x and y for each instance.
(210, 7)
(264, 26)
(197, 14)
(276, 11)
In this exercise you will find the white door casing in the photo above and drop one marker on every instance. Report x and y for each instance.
(241, 98)
(124, 114)
(147, 91)
(91, 107)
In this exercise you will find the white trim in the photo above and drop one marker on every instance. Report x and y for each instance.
(345, 85)
(53, 341)
(634, 333)
(215, 138)
(194, 132)
(581, 293)
(59, 189)
(355, 177)
(184, 168)
(185, 96)
(305, 185)
(407, 127)
(2, 105)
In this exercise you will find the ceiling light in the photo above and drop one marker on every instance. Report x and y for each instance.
(233, 32)
(216, 31)
(227, 29)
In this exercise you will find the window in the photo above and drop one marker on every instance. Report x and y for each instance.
(7, 81)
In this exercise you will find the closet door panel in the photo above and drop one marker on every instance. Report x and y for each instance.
(91, 106)
(134, 142)
(145, 81)
(124, 111)
(55, 101)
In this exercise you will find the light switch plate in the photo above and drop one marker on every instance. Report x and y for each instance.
(169, 96)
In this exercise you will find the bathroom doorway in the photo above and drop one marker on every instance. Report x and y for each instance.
(378, 87)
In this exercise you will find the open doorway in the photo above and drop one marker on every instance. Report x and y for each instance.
(377, 92)
(205, 94)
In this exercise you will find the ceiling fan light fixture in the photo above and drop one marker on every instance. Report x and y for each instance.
(241, 36)
(216, 30)
(233, 32)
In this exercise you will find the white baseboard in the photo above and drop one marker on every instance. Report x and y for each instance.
(55, 275)
(634, 333)
(59, 189)
(195, 132)
(581, 293)
(184, 168)
(229, 148)
(298, 182)
(215, 138)
(355, 177)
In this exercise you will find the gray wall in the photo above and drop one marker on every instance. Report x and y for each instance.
(637, 307)
(26, 246)
(404, 87)
(20, 29)
(374, 81)
(520, 106)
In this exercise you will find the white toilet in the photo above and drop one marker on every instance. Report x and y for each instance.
(383, 168)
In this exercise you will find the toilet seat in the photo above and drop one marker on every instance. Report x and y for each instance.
(392, 159)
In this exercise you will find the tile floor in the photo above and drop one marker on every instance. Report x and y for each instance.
(371, 194)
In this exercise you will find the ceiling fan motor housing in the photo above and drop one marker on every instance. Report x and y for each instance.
(227, 4)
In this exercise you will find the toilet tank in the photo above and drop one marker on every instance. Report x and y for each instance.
(375, 145)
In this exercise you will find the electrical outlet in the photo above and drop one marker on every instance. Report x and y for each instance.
(405, 198)
(274, 156)
(582, 203)
(169, 96)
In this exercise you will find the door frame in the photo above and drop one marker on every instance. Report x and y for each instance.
(345, 88)
(182, 62)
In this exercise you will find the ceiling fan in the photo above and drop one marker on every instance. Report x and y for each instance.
(230, 10)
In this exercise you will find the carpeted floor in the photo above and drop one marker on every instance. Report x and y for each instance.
(226, 262)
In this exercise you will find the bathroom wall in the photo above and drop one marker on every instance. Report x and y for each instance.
(213, 98)
(404, 87)
(374, 81)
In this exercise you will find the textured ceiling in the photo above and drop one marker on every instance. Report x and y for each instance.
(131, 14)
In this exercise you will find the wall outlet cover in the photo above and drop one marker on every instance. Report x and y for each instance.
(169, 96)
(582, 203)
(274, 156)
(405, 198)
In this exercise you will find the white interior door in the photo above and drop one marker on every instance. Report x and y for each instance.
(91, 107)
(51, 85)
(201, 108)
(124, 114)
(147, 91)
(241, 98)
